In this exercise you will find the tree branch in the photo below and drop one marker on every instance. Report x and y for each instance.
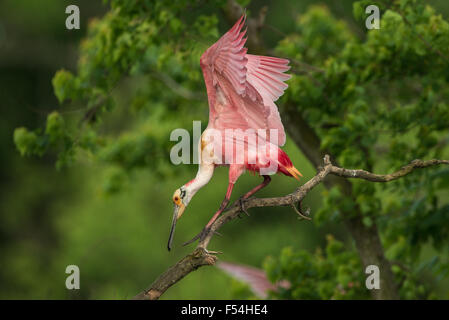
(202, 257)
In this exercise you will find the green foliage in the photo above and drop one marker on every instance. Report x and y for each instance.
(136, 39)
(378, 104)
(55, 126)
(27, 142)
(240, 290)
(65, 85)
(334, 274)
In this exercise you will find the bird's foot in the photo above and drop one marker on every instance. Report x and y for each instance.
(200, 236)
(242, 206)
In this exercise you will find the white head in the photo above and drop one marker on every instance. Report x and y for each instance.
(181, 199)
(183, 195)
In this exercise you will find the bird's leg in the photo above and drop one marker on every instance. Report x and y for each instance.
(223, 206)
(266, 181)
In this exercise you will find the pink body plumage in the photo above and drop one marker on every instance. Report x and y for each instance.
(241, 90)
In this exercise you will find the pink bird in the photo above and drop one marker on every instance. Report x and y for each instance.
(245, 130)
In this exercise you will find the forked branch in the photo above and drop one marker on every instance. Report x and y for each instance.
(202, 257)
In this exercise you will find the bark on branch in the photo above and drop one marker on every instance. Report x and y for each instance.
(202, 257)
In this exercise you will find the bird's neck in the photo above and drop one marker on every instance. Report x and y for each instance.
(203, 176)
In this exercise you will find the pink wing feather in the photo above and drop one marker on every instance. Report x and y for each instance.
(255, 278)
(267, 75)
(241, 87)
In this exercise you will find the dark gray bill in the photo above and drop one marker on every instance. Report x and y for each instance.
(173, 225)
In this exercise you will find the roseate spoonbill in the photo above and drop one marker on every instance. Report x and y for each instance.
(241, 90)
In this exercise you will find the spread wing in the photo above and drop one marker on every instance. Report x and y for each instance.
(242, 88)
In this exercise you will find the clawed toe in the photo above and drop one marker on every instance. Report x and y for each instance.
(242, 207)
(200, 236)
